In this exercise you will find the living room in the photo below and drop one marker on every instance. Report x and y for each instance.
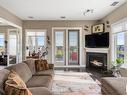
(63, 47)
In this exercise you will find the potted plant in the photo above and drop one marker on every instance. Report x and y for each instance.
(116, 66)
(117, 63)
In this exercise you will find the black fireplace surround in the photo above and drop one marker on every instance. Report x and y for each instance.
(96, 60)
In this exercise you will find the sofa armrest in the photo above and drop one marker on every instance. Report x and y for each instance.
(51, 66)
(123, 72)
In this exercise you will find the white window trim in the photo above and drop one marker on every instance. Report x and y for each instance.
(2, 33)
(122, 22)
(36, 30)
(19, 55)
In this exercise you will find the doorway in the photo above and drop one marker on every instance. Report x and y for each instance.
(10, 43)
(14, 46)
(66, 47)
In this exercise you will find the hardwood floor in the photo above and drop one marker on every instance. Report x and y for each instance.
(95, 73)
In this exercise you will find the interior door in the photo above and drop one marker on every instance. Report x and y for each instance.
(73, 47)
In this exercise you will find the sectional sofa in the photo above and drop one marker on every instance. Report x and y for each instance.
(115, 85)
(39, 83)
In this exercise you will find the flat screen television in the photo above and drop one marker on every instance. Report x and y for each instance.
(98, 40)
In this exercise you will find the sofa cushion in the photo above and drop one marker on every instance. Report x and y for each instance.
(39, 81)
(40, 91)
(3, 77)
(31, 65)
(115, 86)
(49, 72)
(23, 71)
(123, 72)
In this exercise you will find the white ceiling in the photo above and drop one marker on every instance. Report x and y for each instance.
(54, 9)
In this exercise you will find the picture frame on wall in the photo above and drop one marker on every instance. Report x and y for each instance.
(98, 28)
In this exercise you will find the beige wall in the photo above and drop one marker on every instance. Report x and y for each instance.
(48, 26)
(5, 14)
(116, 15)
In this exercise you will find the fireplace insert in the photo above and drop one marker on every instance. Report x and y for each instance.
(96, 60)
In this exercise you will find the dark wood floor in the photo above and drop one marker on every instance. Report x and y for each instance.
(95, 73)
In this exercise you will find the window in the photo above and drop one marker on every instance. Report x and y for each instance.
(34, 41)
(13, 48)
(119, 41)
(2, 39)
(120, 44)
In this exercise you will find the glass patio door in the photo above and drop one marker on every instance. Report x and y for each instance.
(66, 47)
(59, 48)
(73, 47)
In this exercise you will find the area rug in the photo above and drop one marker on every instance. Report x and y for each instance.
(75, 83)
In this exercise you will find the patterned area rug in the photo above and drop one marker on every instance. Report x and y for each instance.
(75, 83)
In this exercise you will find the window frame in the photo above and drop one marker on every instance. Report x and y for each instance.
(35, 30)
(4, 41)
(113, 40)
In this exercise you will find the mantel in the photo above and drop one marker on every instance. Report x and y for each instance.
(99, 50)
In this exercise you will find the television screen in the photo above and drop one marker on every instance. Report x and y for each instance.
(97, 40)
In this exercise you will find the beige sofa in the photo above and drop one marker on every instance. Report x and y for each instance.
(39, 83)
(115, 85)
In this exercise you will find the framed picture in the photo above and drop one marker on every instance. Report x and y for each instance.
(98, 28)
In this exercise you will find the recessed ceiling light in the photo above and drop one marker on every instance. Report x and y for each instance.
(62, 17)
(114, 3)
(31, 17)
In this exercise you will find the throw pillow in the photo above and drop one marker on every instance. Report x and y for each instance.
(15, 85)
(14, 89)
(45, 63)
(41, 65)
(16, 78)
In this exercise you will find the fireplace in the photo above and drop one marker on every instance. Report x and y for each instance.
(96, 60)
